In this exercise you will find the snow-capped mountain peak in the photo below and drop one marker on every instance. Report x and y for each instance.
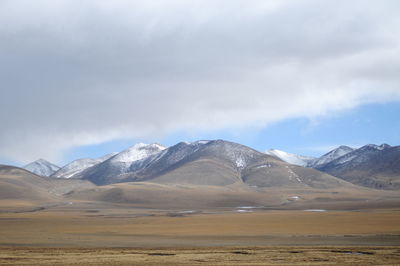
(41, 167)
(290, 157)
(330, 156)
(362, 154)
(122, 163)
(79, 165)
(196, 142)
(75, 167)
(137, 152)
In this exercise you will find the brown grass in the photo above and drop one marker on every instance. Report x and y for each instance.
(153, 228)
(68, 235)
(203, 256)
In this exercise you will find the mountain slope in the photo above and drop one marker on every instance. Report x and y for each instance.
(20, 184)
(79, 165)
(330, 156)
(215, 163)
(111, 170)
(42, 167)
(371, 166)
(290, 157)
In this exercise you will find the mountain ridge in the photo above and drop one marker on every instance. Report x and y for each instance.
(374, 166)
(41, 167)
(215, 162)
(79, 165)
(230, 162)
(371, 166)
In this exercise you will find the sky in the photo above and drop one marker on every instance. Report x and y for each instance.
(85, 78)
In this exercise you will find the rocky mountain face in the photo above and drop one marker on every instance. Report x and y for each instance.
(330, 156)
(113, 169)
(371, 166)
(77, 166)
(374, 166)
(220, 163)
(42, 167)
(216, 163)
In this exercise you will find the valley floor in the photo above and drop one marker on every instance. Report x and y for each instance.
(117, 234)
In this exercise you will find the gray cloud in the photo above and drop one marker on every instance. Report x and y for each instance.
(75, 73)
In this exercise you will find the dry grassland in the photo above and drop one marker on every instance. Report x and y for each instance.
(219, 237)
(203, 256)
(152, 228)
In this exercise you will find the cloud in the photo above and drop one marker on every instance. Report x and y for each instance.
(78, 73)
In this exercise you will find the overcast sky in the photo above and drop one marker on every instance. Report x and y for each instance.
(78, 73)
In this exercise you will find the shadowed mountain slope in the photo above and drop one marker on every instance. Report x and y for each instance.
(371, 166)
(330, 156)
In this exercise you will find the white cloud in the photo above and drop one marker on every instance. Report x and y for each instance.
(78, 73)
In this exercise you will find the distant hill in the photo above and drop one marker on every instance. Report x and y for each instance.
(20, 184)
(209, 174)
(221, 163)
(212, 163)
(374, 166)
(42, 167)
(371, 166)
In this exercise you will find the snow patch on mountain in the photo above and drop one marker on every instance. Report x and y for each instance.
(378, 147)
(290, 157)
(80, 165)
(238, 154)
(137, 152)
(133, 157)
(75, 167)
(41, 167)
(171, 155)
(240, 162)
(362, 154)
(196, 142)
(331, 156)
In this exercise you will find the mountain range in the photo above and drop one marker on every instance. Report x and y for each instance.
(209, 174)
(219, 162)
(374, 166)
(371, 166)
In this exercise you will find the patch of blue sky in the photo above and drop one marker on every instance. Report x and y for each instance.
(372, 123)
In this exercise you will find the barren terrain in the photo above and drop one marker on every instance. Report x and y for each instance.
(70, 222)
(95, 234)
